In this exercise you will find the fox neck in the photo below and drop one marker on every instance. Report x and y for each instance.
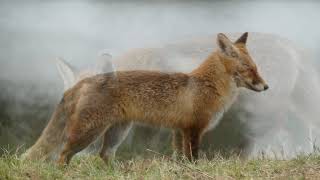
(215, 69)
(217, 83)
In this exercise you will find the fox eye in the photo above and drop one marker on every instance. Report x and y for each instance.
(234, 54)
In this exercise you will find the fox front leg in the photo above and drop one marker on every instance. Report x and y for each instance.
(191, 142)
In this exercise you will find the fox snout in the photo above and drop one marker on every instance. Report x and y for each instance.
(258, 86)
(251, 80)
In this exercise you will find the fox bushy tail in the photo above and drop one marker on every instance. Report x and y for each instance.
(51, 137)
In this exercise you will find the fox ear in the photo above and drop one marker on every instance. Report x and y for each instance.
(67, 73)
(226, 46)
(104, 63)
(243, 38)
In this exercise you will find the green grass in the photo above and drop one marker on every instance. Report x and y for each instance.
(159, 167)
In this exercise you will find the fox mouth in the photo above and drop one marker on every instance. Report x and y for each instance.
(248, 85)
(251, 87)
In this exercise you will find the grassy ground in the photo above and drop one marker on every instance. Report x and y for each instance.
(159, 167)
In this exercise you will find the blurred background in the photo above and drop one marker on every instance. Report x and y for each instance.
(34, 33)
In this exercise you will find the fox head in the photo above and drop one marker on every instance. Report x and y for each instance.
(239, 63)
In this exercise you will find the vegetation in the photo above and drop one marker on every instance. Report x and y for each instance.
(157, 166)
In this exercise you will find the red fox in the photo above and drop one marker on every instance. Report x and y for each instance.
(270, 52)
(191, 103)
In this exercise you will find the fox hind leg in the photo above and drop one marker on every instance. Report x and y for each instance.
(77, 139)
(177, 141)
(112, 139)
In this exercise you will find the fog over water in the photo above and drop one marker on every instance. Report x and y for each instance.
(34, 33)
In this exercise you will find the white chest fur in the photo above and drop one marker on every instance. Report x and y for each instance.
(227, 101)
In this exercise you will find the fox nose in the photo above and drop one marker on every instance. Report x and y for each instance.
(266, 87)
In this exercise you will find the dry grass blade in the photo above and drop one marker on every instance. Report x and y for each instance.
(182, 165)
